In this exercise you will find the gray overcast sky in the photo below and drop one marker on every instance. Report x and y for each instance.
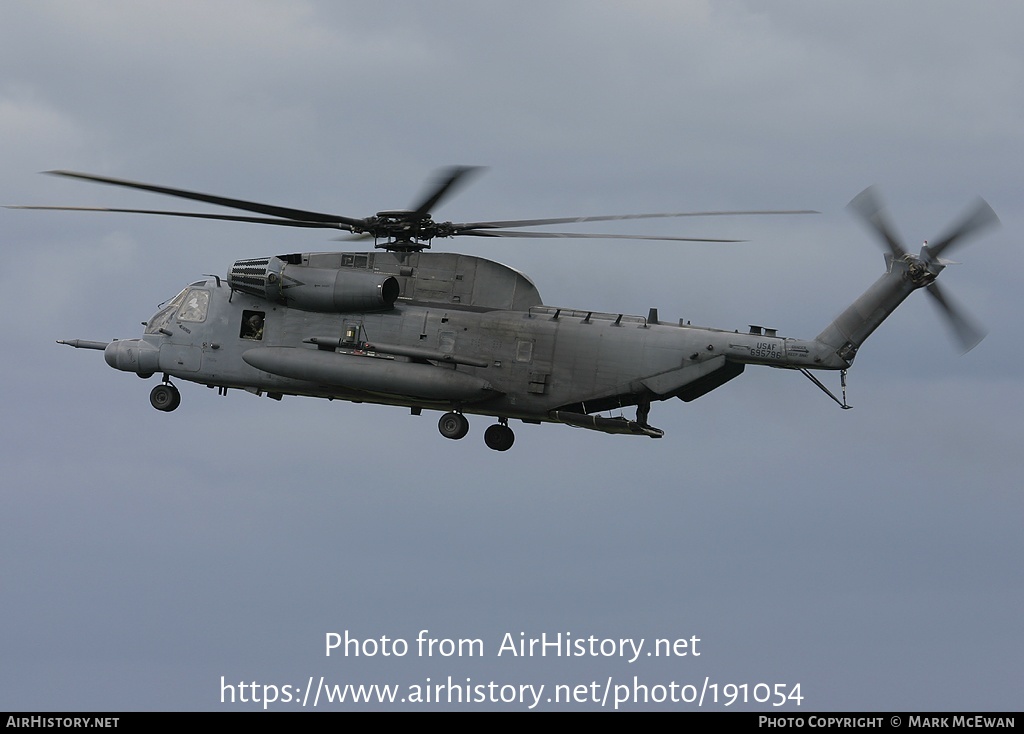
(871, 555)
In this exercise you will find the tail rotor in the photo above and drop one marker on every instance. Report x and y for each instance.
(922, 269)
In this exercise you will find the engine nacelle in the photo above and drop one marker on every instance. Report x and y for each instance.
(335, 289)
(332, 290)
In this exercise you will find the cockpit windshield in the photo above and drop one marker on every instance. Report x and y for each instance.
(164, 315)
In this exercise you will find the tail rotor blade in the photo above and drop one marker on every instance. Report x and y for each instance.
(868, 206)
(967, 333)
(979, 217)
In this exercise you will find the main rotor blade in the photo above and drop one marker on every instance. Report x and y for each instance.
(964, 329)
(869, 207)
(251, 206)
(194, 215)
(576, 235)
(448, 180)
(979, 217)
(616, 217)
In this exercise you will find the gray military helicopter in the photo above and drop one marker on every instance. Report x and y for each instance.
(466, 335)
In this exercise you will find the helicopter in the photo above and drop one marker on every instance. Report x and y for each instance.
(465, 335)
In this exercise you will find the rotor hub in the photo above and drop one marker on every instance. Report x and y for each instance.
(403, 230)
(919, 271)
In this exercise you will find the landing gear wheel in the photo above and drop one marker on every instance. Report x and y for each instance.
(453, 425)
(165, 397)
(499, 437)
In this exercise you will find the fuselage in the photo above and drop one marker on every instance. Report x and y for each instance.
(491, 349)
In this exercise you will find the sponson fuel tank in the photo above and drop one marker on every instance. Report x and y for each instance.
(372, 374)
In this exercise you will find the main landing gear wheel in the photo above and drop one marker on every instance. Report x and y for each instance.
(165, 397)
(453, 425)
(499, 437)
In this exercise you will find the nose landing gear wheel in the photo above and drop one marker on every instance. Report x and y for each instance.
(453, 425)
(499, 437)
(165, 397)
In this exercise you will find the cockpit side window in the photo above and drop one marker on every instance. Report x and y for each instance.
(196, 305)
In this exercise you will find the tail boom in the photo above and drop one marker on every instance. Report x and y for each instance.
(848, 331)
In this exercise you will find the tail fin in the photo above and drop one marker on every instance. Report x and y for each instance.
(849, 330)
(905, 273)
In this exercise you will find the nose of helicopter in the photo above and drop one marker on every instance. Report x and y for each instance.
(132, 355)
